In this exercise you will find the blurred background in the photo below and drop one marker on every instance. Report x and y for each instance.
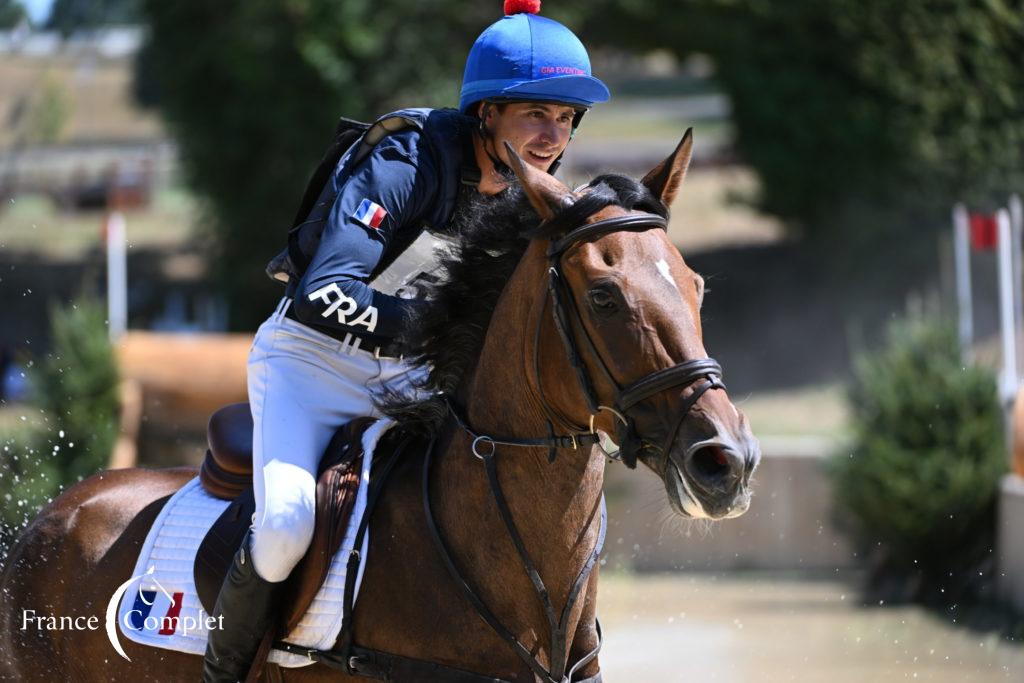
(833, 140)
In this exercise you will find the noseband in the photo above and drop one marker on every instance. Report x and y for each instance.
(570, 327)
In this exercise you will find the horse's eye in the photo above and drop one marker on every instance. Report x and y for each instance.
(602, 300)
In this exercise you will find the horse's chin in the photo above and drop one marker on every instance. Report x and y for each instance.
(680, 499)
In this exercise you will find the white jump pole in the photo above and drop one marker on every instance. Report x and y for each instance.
(962, 258)
(117, 275)
(1008, 378)
(1017, 232)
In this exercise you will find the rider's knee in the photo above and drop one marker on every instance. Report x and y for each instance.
(282, 540)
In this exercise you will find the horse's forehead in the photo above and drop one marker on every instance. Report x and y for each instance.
(625, 245)
(610, 211)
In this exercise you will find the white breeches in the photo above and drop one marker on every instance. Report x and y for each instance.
(303, 385)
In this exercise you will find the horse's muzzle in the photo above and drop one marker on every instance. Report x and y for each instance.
(710, 477)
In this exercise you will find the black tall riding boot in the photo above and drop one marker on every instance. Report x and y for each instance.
(247, 605)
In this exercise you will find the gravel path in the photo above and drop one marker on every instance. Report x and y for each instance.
(751, 629)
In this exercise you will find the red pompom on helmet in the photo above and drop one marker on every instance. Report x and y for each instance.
(521, 7)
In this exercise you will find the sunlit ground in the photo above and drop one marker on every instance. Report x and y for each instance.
(729, 627)
(815, 410)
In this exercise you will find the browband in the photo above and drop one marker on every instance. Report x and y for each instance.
(634, 222)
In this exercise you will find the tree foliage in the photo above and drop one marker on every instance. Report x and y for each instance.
(861, 116)
(76, 386)
(920, 485)
(74, 417)
(252, 91)
(12, 13)
(70, 16)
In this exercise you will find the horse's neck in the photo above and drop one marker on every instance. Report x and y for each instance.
(556, 506)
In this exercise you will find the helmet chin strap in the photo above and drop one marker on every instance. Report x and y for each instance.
(500, 166)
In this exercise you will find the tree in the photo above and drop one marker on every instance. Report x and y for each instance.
(69, 16)
(864, 118)
(12, 13)
(254, 95)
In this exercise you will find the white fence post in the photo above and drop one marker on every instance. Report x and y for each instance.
(117, 275)
(962, 258)
(1017, 231)
(1008, 378)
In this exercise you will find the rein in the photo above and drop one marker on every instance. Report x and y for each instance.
(560, 637)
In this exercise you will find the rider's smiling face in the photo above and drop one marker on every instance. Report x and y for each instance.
(537, 131)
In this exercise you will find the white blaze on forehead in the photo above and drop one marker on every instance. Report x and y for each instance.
(665, 273)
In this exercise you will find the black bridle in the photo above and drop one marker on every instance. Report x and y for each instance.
(570, 325)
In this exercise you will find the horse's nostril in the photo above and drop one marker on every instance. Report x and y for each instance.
(709, 463)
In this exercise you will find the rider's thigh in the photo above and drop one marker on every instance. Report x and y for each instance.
(301, 390)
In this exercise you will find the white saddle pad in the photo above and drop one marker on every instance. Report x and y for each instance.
(160, 605)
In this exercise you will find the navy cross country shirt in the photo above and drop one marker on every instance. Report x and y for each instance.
(402, 178)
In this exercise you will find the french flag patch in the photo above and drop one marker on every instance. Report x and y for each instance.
(370, 214)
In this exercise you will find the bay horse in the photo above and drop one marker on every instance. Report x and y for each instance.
(541, 342)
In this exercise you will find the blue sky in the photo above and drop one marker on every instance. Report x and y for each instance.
(38, 10)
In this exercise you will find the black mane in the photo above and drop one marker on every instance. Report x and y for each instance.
(493, 232)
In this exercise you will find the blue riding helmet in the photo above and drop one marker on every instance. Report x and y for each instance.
(529, 58)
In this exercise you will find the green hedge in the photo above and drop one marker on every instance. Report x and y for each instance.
(919, 487)
(71, 422)
(76, 386)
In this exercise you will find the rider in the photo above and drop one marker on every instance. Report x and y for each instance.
(317, 360)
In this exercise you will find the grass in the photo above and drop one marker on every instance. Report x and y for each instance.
(97, 95)
(806, 411)
(627, 125)
(33, 223)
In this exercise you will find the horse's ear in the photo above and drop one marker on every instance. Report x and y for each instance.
(665, 179)
(547, 195)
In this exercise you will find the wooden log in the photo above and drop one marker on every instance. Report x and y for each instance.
(126, 448)
(184, 377)
(1017, 464)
